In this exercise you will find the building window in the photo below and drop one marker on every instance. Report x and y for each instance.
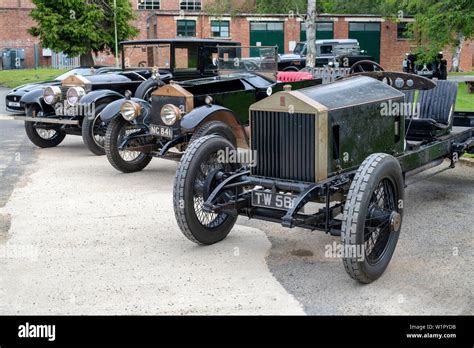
(402, 31)
(190, 5)
(220, 28)
(186, 28)
(148, 4)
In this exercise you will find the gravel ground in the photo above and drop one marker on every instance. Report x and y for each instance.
(82, 238)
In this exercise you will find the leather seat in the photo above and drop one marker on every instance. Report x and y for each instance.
(436, 108)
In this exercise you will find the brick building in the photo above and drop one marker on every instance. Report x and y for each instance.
(170, 18)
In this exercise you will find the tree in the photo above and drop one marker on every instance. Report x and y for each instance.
(79, 27)
(438, 24)
(310, 24)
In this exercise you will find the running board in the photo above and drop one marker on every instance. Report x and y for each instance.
(45, 120)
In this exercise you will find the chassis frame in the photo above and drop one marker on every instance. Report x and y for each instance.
(330, 192)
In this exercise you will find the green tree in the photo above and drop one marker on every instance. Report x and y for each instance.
(80, 27)
(438, 24)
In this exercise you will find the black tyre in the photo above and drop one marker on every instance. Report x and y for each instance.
(123, 160)
(41, 137)
(188, 193)
(372, 217)
(217, 128)
(93, 131)
(147, 87)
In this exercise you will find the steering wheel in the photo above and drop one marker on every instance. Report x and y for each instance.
(250, 66)
(360, 66)
(142, 64)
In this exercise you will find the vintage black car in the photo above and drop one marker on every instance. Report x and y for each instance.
(438, 68)
(73, 107)
(181, 112)
(13, 98)
(333, 52)
(334, 158)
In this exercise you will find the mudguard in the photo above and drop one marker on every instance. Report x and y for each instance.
(198, 115)
(95, 96)
(33, 97)
(113, 110)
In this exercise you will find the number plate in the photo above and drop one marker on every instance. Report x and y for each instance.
(15, 104)
(162, 131)
(267, 199)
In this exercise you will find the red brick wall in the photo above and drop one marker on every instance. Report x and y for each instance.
(341, 29)
(392, 50)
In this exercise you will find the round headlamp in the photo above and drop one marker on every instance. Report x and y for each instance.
(130, 110)
(74, 94)
(170, 114)
(52, 95)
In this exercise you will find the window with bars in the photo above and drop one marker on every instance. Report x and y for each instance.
(220, 28)
(190, 5)
(186, 28)
(149, 4)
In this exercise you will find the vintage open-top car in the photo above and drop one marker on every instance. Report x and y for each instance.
(334, 158)
(181, 112)
(73, 106)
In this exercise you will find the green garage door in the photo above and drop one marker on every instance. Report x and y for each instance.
(368, 35)
(324, 31)
(267, 34)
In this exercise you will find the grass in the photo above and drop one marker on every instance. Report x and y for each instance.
(464, 101)
(14, 78)
(461, 73)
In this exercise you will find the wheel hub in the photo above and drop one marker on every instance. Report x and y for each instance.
(395, 221)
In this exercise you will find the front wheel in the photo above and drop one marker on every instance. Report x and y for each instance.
(192, 177)
(41, 137)
(125, 161)
(93, 131)
(372, 217)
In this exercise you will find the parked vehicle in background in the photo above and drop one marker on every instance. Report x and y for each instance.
(438, 68)
(73, 107)
(13, 98)
(335, 52)
(181, 112)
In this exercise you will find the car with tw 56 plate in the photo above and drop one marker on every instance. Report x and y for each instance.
(183, 111)
(74, 105)
(328, 158)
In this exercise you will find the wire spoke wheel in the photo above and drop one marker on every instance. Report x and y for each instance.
(46, 134)
(197, 176)
(127, 155)
(99, 129)
(372, 217)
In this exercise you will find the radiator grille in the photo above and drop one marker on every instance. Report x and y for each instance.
(284, 144)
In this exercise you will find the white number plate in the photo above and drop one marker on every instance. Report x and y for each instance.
(162, 131)
(14, 104)
(267, 199)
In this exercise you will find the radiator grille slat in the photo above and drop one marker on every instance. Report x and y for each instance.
(284, 144)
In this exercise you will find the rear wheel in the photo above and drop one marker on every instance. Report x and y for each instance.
(93, 131)
(372, 217)
(189, 192)
(125, 161)
(43, 137)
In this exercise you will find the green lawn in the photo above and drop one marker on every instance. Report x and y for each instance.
(464, 101)
(13, 78)
(461, 73)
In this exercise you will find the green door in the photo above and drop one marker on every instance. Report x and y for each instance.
(368, 35)
(324, 31)
(267, 34)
